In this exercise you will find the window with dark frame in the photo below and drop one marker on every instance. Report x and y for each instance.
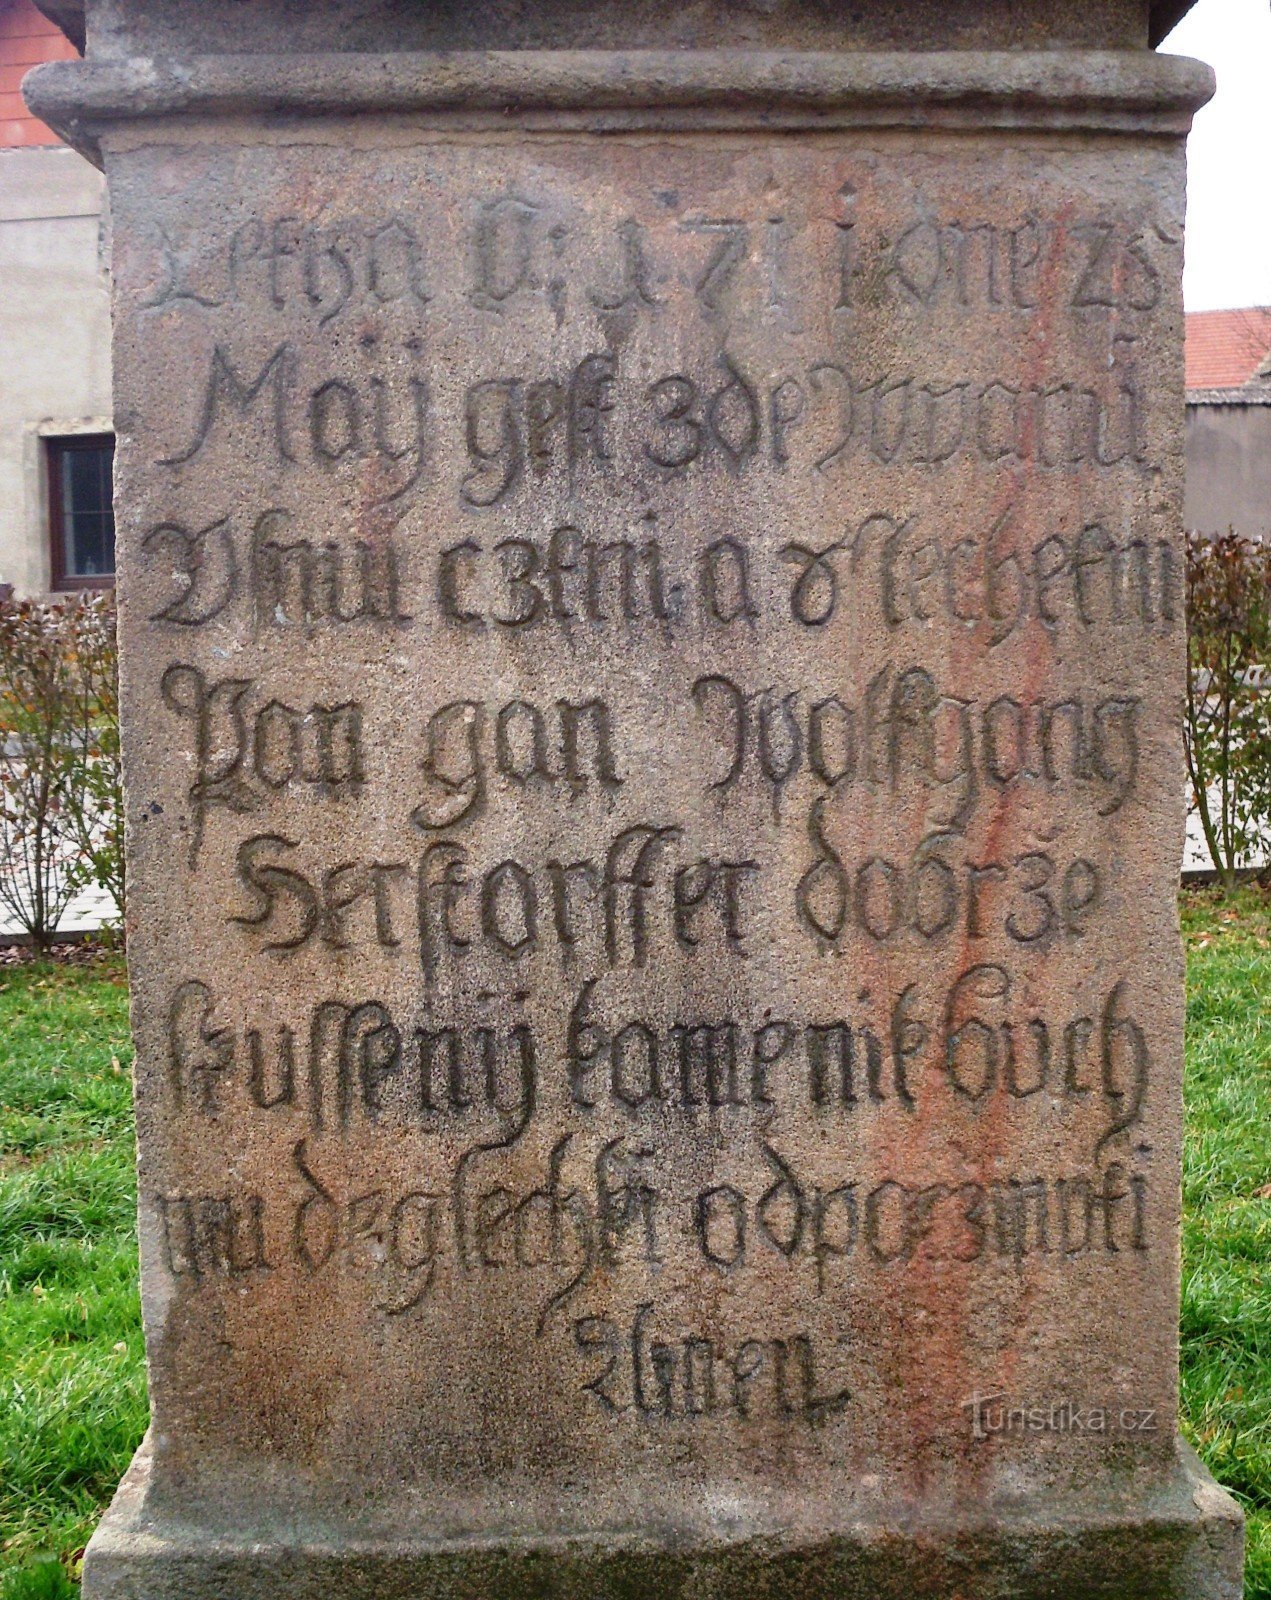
(81, 511)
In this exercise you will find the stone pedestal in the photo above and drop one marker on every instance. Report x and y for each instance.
(652, 606)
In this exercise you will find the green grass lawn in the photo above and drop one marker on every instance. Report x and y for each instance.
(72, 1374)
(1226, 1319)
(72, 1384)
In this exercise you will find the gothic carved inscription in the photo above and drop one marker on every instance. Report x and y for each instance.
(662, 687)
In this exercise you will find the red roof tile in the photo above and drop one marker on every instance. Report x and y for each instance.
(1226, 348)
(26, 38)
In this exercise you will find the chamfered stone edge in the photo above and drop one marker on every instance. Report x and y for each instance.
(1112, 91)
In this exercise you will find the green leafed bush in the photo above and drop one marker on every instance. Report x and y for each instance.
(1228, 722)
(61, 801)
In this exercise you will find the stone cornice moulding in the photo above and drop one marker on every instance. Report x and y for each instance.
(1101, 91)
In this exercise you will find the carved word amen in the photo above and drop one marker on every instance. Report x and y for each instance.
(691, 1376)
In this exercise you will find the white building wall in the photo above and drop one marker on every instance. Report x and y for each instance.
(1229, 468)
(54, 338)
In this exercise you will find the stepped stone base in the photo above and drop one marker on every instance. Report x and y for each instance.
(1182, 1541)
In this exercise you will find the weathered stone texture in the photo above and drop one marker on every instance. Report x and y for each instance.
(176, 29)
(652, 696)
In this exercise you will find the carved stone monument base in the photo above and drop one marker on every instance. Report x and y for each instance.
(1180, 1539)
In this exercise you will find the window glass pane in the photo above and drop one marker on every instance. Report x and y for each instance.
(92, 545)
(81, 479)
(88, 521)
